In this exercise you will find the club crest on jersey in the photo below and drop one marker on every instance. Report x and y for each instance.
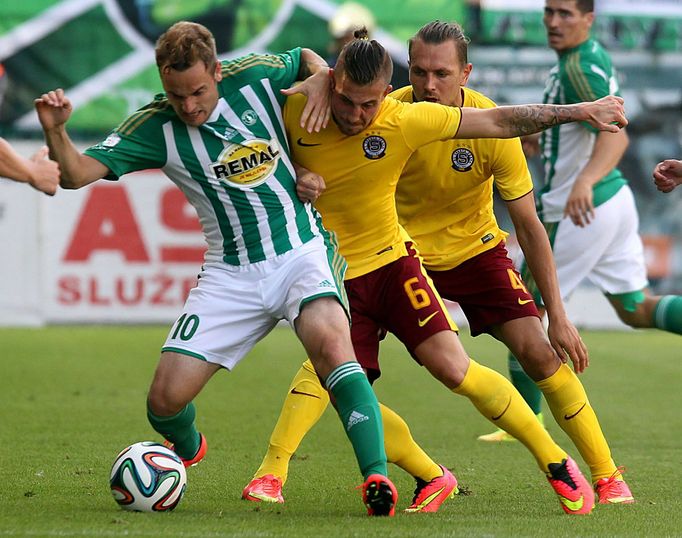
(249, 117)
(374, 147)
(247, 164)
(462, 159)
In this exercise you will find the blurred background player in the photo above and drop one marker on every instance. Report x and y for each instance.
(39, 170)
(386, 284)
(204, 134)
(348, 17)
(586, 205)
(668, 175)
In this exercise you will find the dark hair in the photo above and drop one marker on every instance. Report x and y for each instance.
(183, 45)
(585, 6)
(438, 32)
(364, 60)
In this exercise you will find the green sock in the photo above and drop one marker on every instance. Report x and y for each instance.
(668, 314)
(178, 429)
(525, 385)
(358, 409)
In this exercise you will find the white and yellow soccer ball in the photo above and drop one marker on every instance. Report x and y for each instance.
(148, 477)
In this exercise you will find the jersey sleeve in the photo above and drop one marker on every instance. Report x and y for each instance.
(281, 70)
(510, 170)
(423, 123)
(136, 144)
(588, 78)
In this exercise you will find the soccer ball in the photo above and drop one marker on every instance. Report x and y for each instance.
(148, 477)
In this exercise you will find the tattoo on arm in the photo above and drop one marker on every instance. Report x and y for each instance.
(528, 119)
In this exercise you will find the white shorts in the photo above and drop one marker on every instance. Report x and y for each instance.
(608, 252)
(233, 307)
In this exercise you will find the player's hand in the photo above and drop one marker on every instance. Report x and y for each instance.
(580, 204)
(317, 110)
(44, 172)
(606, 114)
(309, 185)
(668, 175)
(567, 343)
(53, 108)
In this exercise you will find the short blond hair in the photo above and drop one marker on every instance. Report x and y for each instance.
(183, 45)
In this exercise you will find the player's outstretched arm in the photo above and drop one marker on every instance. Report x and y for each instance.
(605, 114)
(537, 251)
(668, 175)
(316, 85)
(38, 171)
(77, 170)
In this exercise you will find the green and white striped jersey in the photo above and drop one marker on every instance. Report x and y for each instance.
(234, 169)
(583, 73)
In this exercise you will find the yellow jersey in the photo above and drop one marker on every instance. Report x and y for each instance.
(445, 193)
(361, 173)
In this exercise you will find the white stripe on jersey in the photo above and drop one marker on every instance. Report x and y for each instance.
(279, 190)
(175, 170)
(261, 214)
(230, 211)
(278, 111)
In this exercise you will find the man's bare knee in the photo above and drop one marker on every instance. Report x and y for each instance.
(538, 359)
(163, 402)
(177, 380)
(445, 358)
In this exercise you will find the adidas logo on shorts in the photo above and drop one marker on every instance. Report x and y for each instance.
(355, 418)
(325, 284)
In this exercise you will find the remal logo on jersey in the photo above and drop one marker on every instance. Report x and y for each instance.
(374, 147)
(462, 159)
(247, 164)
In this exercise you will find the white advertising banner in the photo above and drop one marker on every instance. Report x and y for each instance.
(120, 251)
(20, 264)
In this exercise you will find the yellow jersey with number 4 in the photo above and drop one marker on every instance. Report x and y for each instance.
(361, 173)
(445, 193)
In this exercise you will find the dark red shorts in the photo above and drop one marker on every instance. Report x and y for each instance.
(397, 298)
(488, 288)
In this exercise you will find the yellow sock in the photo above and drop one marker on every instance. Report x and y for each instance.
(568, 402)
(498, 401)
(403, 450)
(303, 406)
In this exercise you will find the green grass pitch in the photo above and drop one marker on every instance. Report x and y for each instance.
(72, 397)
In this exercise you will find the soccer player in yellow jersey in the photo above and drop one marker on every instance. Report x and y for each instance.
(463, 247)
(360, 156)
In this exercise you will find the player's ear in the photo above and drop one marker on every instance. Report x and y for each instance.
(218, 74)
(388, 89)
(466, 72)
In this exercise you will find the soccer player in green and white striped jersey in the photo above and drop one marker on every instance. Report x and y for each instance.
(590, 214)
(217, 133)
